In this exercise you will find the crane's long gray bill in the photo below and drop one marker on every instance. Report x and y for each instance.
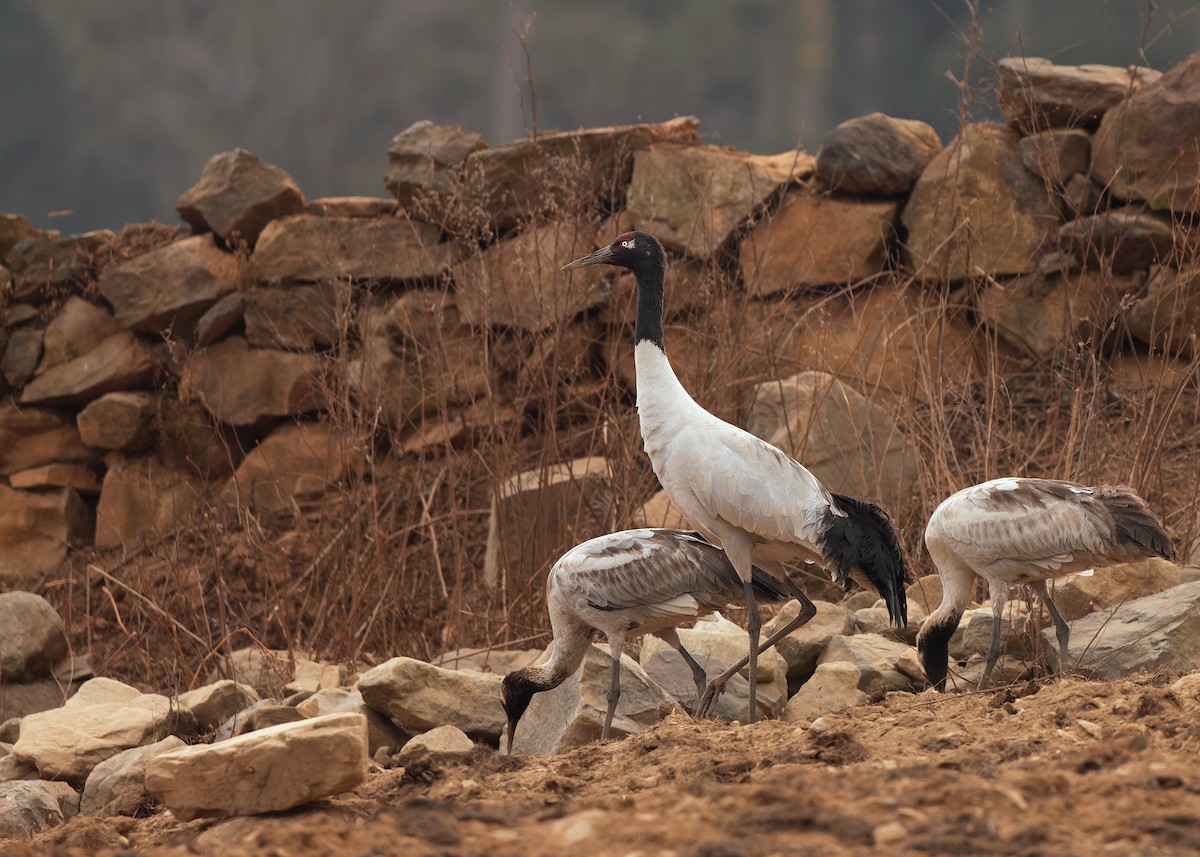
(598, 258)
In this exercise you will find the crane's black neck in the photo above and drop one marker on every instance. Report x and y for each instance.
(649, 325)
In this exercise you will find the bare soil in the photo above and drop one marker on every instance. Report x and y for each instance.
(1064, 768)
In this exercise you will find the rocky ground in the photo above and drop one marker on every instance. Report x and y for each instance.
(1068, 767)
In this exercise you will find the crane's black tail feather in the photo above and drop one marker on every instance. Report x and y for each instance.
(865, 539)
(1135, 522)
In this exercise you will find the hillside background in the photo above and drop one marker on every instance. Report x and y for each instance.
(109, 108)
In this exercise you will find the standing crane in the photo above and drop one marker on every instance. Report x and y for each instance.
(626, 584)
(741, 492)
(1026, 531)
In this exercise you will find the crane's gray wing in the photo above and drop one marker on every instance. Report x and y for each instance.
(1040, 522)
(670, 571)
(751, 484)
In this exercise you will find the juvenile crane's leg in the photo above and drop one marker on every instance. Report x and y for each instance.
(717, 686)
(1061, 629)
(999, 594)
(671, 637)
(616, 643)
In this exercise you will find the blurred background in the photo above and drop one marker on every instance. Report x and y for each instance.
(108, 111)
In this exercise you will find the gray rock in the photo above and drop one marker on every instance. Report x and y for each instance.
(117, 785)
(1121, 240)
(872, 650)
(876, 154)
(265, 771)
(22, 353)
(802, 648)
(1077, 595)
(78, 327)
(28, 807)
(1168, 315)
(1057, 154)
(238, 195)
(443, 744)
(573, 713)
(381, 732)
(32, 637)
(876, 620)
(418, 697)
(264, 714)
(1157, 631)
(1035, 93)
(215, 703)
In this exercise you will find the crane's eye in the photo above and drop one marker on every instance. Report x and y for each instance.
(626, 244)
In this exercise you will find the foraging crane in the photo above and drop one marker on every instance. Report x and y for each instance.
(630, 583)
(1026, 531)
(741, 492)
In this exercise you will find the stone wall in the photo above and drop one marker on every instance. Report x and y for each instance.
(156, 369)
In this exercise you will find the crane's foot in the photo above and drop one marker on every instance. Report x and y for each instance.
(708, 701)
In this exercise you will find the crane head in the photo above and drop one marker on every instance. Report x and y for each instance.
(516, 690)
(637, 251)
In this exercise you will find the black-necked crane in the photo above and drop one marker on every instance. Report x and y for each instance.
(1015, 531)
(647, 581)
(741, 492)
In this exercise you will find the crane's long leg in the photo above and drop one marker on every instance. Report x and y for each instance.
(717, 686)
(671, 637)
(1061, 629)
(999, 593)
(738, 548)
(616, 643)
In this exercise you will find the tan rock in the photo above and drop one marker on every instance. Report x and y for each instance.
(873, 650)
(802, 648)
(876, 154)
(351, 206)
(659, 511)
(117, 786)
(974, 633)
(121, 361)
(57, 475)
(142, 497)
(311, 248)
(36, 529)
(1077, 595)
(1145, 148)
(925, 591)
(118, 420)
(1057, 154)
(833, 687)
(188, 438)
(443, 744)
(538, 514)
(46, 261)
(693, 198)
(519, 284)
(497, 661)
(418, 697)
(562, 170)
(220, 318)
(381, 732)
(814, 240)
(264, 771)
(238, 195)
(244, 386)
(977, 209)
(425, 163)
(213, 704)
(1168, 315)
(296, 318)
(1035, 93)
(852, 445)
(78, 327)
(22, 353)
(297, 462)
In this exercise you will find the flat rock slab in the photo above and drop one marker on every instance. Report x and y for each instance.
(77, 328)
(269, 770)
(30, 437)
(1158, 631)
(1033, 92)
(121, 361)
(418, 697)
(297, 462)
(242, 386)
(32, 637)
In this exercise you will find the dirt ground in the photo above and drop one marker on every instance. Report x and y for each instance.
(1072, 767)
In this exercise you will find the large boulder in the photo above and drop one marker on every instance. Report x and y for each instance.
(32, 637)
(1146, 149)
(418, 697)
(119, 362)
(1155, 632)
(851, 444)
(311, 248)
(268, 770)
(166, 290)
(1035, 93)
(538, 514)
(976, 208)
(245, 386)
(573, 713)
(1077, 595)
(519, 283)
(67, 743)
(297, 462)
(814, 240)
(692, 198)
(876, 154)
(238, 195)
(37, 528)
(418, 356)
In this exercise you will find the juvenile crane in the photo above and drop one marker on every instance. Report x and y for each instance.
(1026, 531)
(741, 492)
(626, 584)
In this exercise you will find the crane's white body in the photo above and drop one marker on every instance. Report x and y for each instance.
(1014, 531)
